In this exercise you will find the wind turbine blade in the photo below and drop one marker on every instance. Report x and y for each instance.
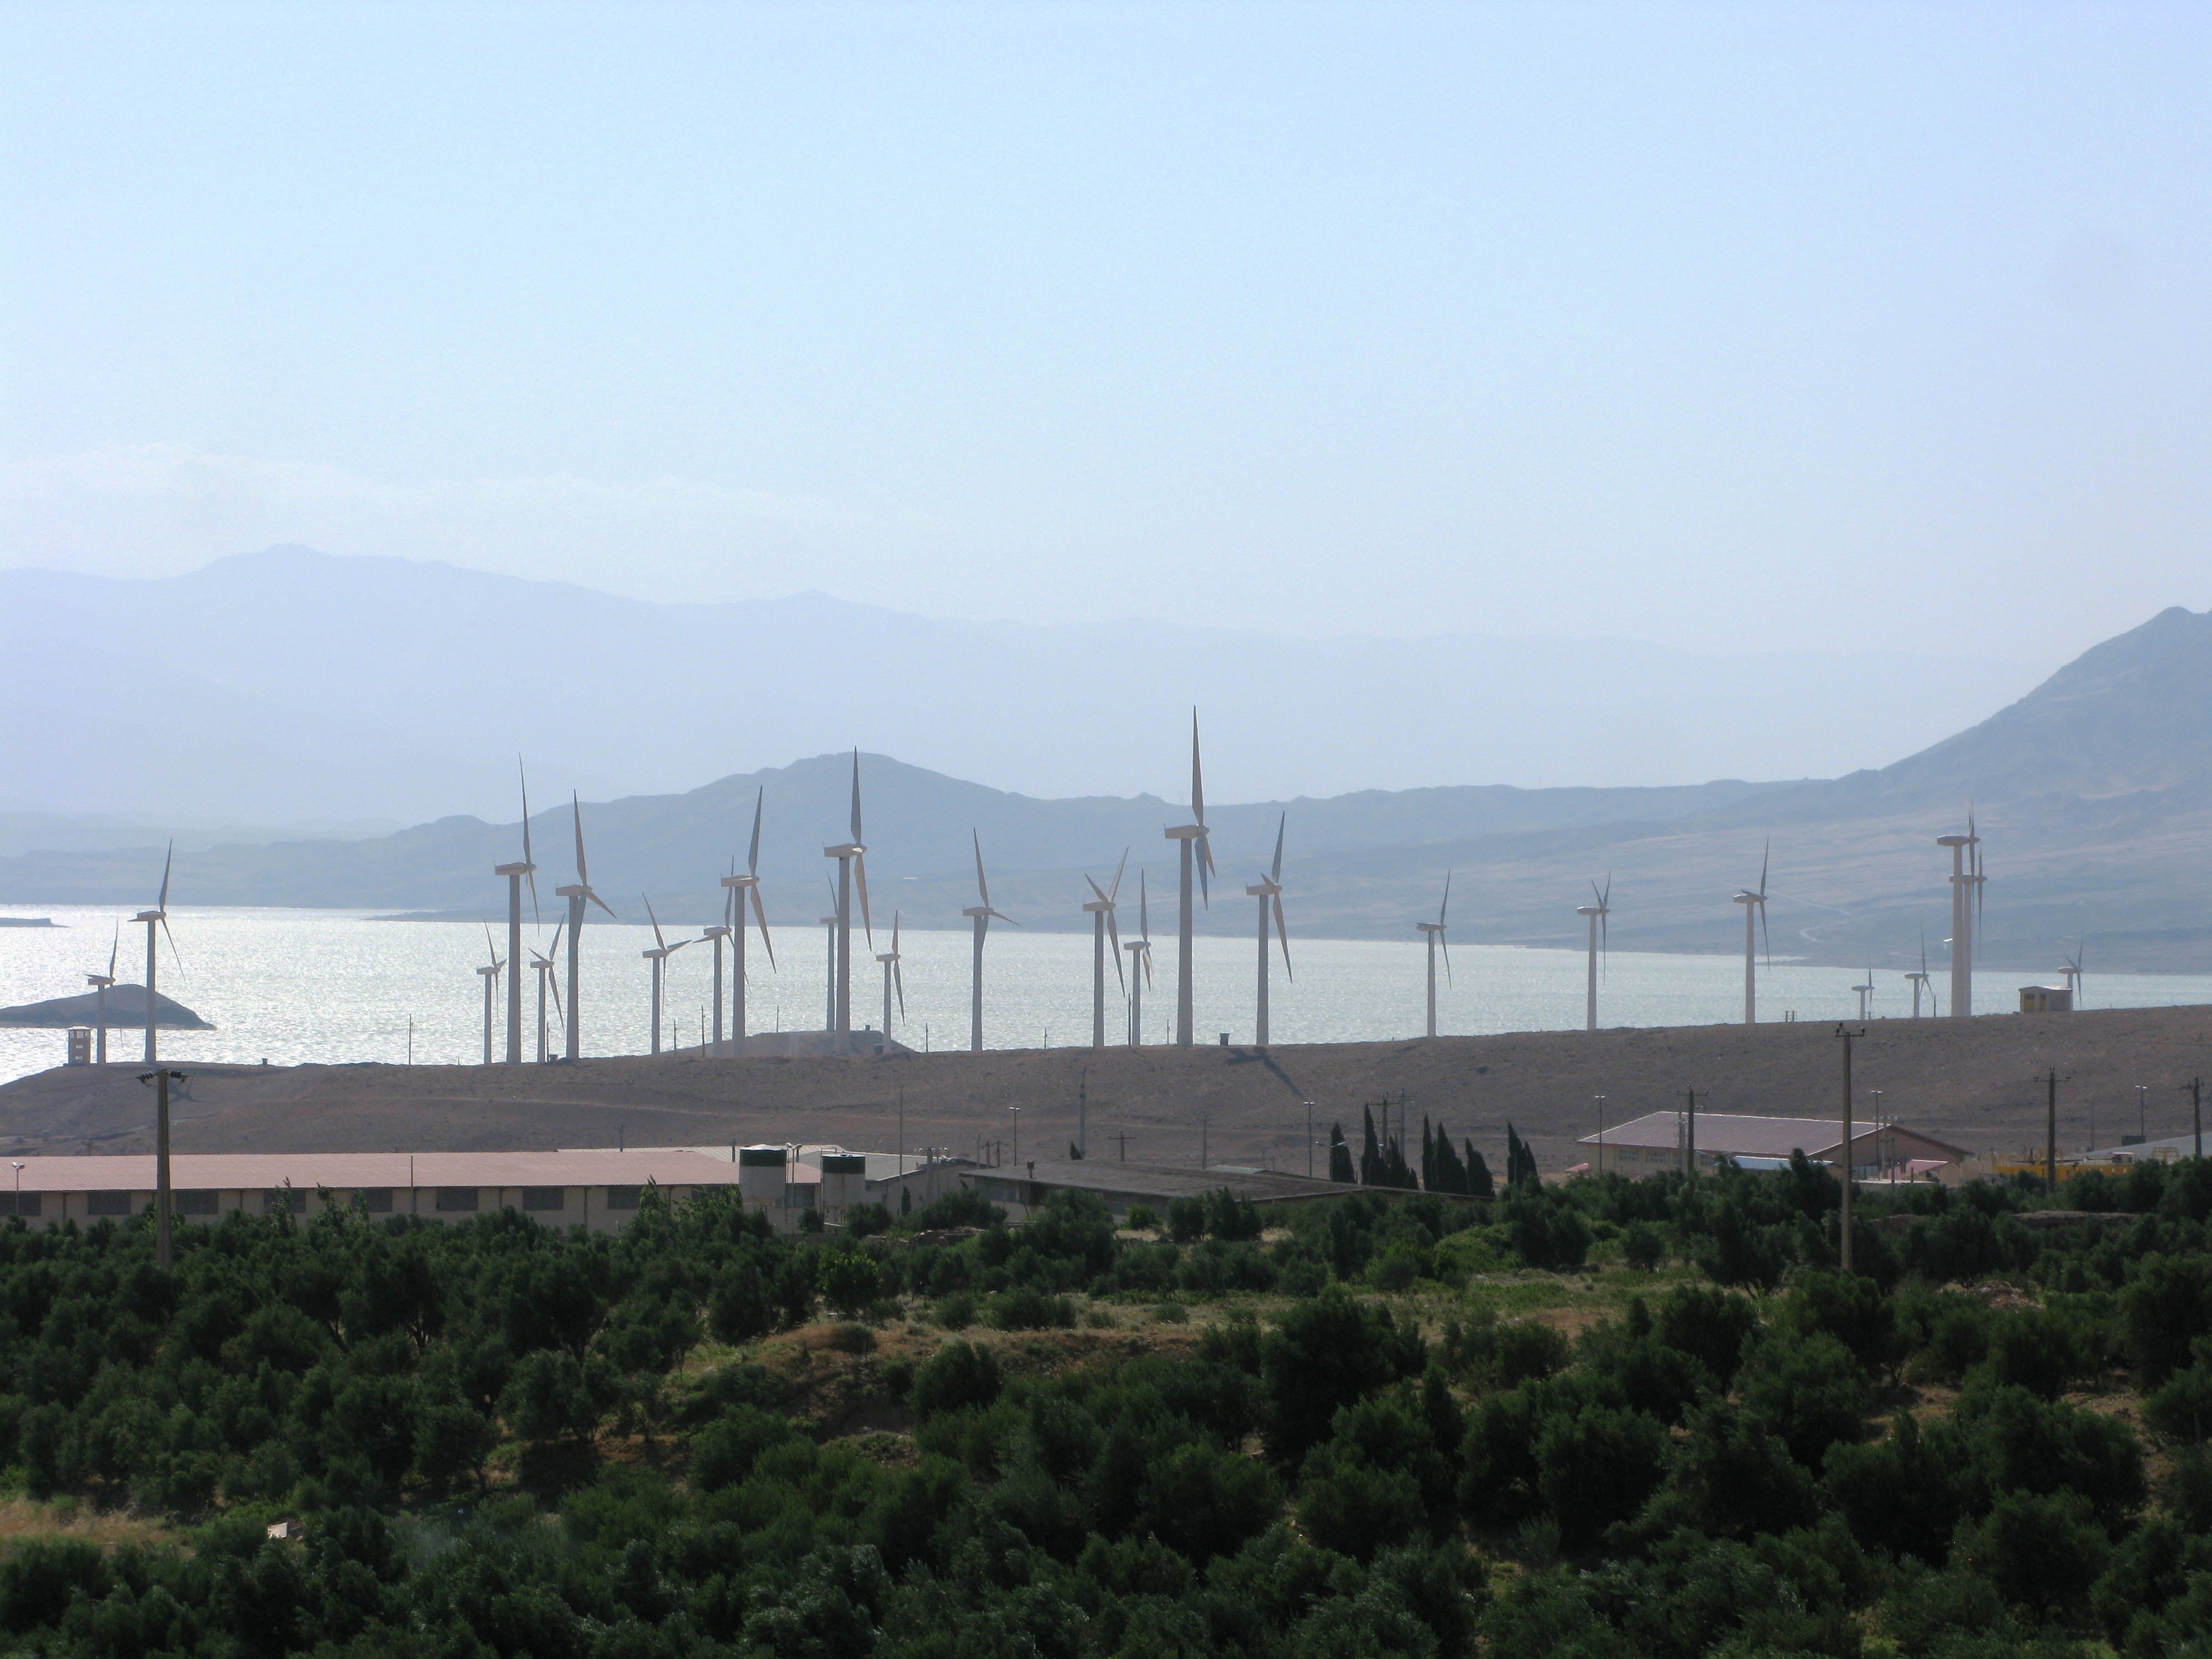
(557, 926)
(1114, 937)
(583, 875)
(526, 858)
(176, 958)
(1763, 859)
(856, 795)
(1275, 870)
(1094, 888)
(895, 931)
(1109, 893)
(1147, 955)
(1283, 934)
(655, 920)
(861, 879)
(982, 887)
(553, 982)
(1605, 898)
(1197, 778)
(1446, 945)
(1144, 918)
(601, 903)
(679, 945)
(1766, 940)
(114, 945)
(898, 984)
(162, 904)
(491, 950)
(729, 896)
(760, 914)
(1446, 905)
(752, 854)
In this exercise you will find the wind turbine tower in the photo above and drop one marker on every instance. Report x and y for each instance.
(1753, 902)
(1965, 904)
(893, 980)
(745, 886)
(1600, 938)
(981, 914)
(579, 895)
(1100, 909)
(490, 975)
(1269, 891)
(1197, 858)
(2072, 970)
(1140, 951)
(546, 964)
(515, 874)
(1920, 981)
(851, 862)
(1865, 992)
(1434, 932)
(99, 982)
(659, 957)
(718, 934)
(156, 917)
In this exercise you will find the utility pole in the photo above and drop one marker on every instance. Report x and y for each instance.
(2051, 1131)
(160, 1080)
(1847, 1035)
(2196, 1111)
(1309, 1140)
(1690, 1150)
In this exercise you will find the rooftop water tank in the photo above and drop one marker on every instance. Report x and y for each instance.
(760, 1174)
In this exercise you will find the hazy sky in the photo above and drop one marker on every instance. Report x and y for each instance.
(1827, 326)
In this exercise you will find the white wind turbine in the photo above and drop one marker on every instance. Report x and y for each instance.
(718, 934)
(1269, 891)
(1140, 951)
(579, 895)
(1865, 992)
(515, 874)
(99, 982)
(981, 914)
(1198, 857)
(1753, 900)
(1600, 916)
(156, 917)
(748, 883)
(659, 957)
(893, 980)
(852, 863)
(490, 975)
(545, 963)
(1434, 933)
(1100, 909)
(2073, 972)
(1966, 879)
(1921, 981)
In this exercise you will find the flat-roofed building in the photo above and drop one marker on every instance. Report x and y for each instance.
(1022, 1189)
(900, 1181)
(1654, 1144)
(600, 1188)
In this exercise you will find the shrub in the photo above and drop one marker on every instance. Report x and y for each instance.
(865, 1220)
(850, 1336)
(1643, 1246)
(724, 1452)
(1186, 1219)
(957, 1376)
(2040, 1553)
(848, 1279)
(1024, 1308)
(1328, 1353)
(1596, 1467)
(1141, 1218)
(956, 1312)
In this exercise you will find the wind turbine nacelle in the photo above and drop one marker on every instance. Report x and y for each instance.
(512, 869)
(740, 881)
(851, 849)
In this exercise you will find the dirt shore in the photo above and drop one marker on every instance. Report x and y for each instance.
(1977, 1082)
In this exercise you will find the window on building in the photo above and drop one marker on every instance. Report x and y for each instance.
(622, 1198)
(544, 1198)
(281, 1200)
(19, 1203)
(193, 1203)
(108, 1204)
(456, 1198)
(377, 1200)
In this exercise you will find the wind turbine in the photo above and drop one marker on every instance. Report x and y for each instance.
(981, 914)
(1920, 981)
(1101, 912)
(659, 957)
(545, 963)
(892, 978)
(830, 970)
(1139, 949)
(1866, 993)
(156, 917)
(578, 896)
(1966, 880)
(1269, 891)
(1201, 861)
(1434, 933)
(1754, 901)
(852, 860)
(2072, 970)
(718, 934)
(742, 885)
(490, 975)
(99, 982)
(1600, 938)
(515, 874)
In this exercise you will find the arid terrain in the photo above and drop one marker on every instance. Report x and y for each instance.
(1978, 1084)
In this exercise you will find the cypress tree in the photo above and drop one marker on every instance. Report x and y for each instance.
(1371, 1155)
(1477, 1174)
(1340, 1155)
(1428, 1157)
(1450, 1175)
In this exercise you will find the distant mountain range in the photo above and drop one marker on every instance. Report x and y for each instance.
(290, 686)
(2094, 793)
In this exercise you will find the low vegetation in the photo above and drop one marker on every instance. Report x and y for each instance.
(1597, 1419)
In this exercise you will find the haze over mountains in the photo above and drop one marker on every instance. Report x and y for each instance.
(2094, 792)
(288, 686)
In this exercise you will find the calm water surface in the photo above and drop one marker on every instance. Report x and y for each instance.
(329, 985)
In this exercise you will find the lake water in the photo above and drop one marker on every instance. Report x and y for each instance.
(334, 986)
